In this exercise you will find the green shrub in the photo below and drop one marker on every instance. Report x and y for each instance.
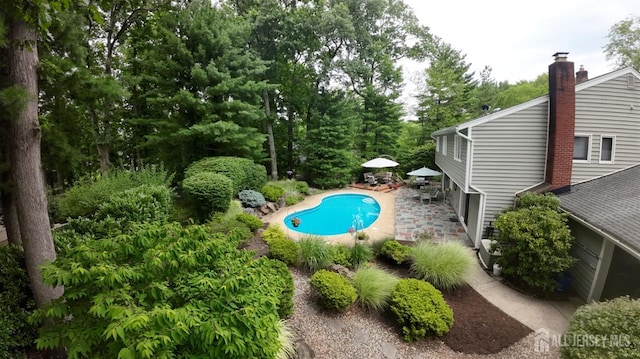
(285, 250)
(530, 199)
(235, 208)
(615, 322)
(336, 292)
(273, 231)
(360, 253)
(250, 220)
(315, 253)
(86, 196)
(535, 244)
(374, 286)
(251, 198)
(211, 192)
(233, 229)
(162, 291)
(303, 187)
(392, 249)
(16, 304)
(445, 265)
(290, 200)
(272, 191)
(376, 246)
(243, 172)
(341, 254)
(284, 280)
(420, 309)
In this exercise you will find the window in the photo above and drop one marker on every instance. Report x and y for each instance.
(457, 148)
(607, 148)
(582, 148)
(444, 145)
(438, 144)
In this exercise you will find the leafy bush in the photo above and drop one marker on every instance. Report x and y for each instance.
(272, 191)
(84, 198)
(315, 253)
(530, 199)
(243, 173)
(16, 304)
(392, 249)
(341, 254)
(234, 230)
(163, 291)
(445, 265)
(284, 280)
(535, 244)
(360, 253)
(251, 198)
(619, 317)
(336, 292)
(420, 309)
(302, 187)
(250, 220)
(374, 286)
(376, 246)
(211, 192)
(273, 231)
(285, 250)
(290, 200)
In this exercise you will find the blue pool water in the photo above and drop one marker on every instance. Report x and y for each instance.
(336, 214)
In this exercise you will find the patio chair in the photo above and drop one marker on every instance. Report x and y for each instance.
(371, 180)
(420, 181)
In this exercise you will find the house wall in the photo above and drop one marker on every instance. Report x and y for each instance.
(474, 209)
(509, 156)
(455, 169)
(606, 109)
(587, 249)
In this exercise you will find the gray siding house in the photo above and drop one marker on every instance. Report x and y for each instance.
(576, 133)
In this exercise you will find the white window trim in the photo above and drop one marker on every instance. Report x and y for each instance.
(437, 143)
(457, 148)
(444, 145)
(613, 149)
(588, 160)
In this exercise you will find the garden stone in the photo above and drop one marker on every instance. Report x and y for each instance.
(303, 350)
(389, 350)
(340, 269)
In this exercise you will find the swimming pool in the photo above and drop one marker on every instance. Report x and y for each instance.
(336, 214)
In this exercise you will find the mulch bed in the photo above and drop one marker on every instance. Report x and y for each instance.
(479, 327)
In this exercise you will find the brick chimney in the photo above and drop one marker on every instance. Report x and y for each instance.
(562, 118)
(582, 75)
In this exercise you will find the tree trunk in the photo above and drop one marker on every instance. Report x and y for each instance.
(290, 138)
(272, 144)
(29, 190)
(10, 213)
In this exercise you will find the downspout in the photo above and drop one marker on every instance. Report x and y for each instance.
(467, 173)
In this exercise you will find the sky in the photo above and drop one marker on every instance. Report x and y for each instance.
(517, 39)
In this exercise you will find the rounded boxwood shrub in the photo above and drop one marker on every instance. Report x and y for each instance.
(284, 249)
(290, 200)
(274, 231)
(272, 192)
(336, 292)
(251, 198)
(614, 321)
(395, 251)
(16, 304)
(243, 172)
(251, 221)
(302, 187)
(445, 265)
(420, 309)
(210, 191)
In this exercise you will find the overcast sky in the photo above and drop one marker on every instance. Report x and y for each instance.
(517, 39)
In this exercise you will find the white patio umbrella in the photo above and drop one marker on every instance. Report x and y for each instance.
(424, 172)
(380, 162)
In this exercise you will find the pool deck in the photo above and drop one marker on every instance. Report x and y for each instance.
(402, 216)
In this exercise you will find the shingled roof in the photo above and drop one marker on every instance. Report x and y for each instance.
(610, 203)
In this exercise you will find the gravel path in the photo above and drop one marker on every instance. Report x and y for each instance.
(357, 334)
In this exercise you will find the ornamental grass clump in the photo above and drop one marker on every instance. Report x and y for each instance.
(336, 292)
(315, 253)
(445, 265)
(360, 253)
(420, 309)
(374, 286)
